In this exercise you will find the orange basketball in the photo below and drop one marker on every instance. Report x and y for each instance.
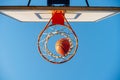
(62, 46)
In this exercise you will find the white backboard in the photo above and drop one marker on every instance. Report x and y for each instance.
(75, 14)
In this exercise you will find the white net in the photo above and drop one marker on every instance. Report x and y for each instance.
(48, 38)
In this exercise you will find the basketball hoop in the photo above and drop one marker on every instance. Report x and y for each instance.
(57, 27)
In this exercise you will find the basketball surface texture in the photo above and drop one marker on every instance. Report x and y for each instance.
(62, 46)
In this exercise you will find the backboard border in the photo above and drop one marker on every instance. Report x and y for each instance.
(96, 8)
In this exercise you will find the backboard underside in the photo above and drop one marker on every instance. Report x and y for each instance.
(77, 14)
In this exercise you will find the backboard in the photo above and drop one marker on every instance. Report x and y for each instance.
(72, 14)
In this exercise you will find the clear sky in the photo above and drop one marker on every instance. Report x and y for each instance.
(97, 57)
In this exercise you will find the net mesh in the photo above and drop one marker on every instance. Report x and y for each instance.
(48, 38)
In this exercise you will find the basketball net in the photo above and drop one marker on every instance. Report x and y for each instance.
(57, 27)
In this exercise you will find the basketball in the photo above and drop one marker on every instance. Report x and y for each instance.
(62, 46)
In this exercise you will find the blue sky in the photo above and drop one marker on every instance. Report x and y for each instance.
(97, 57)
